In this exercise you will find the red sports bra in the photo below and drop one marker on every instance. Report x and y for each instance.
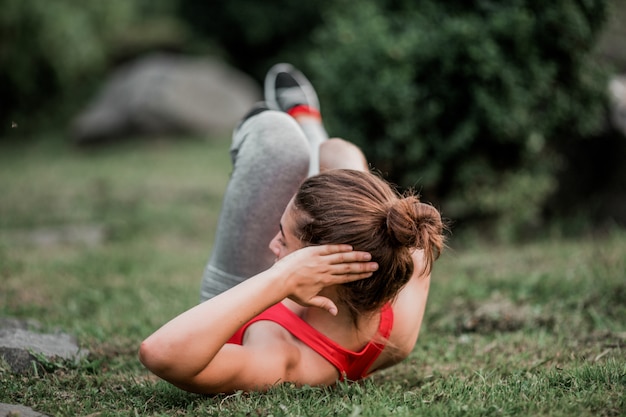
(351, 365)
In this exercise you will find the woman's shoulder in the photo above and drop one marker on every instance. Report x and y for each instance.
(299, 361)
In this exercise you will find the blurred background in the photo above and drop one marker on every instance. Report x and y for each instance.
(509, 116)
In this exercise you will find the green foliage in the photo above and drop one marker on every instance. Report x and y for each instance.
(256, 34)
(469, 102)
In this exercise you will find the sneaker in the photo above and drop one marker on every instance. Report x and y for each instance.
(286, 87)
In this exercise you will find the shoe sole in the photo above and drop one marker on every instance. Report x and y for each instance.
(303, 82)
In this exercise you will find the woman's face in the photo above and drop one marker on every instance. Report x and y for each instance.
(285, 240)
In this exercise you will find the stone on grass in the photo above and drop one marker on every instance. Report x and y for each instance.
(13, 410)
(21, 347)
(165, 94)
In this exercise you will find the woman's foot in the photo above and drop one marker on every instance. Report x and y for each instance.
(288, 90)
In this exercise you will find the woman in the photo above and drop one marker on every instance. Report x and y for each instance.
(342, 289)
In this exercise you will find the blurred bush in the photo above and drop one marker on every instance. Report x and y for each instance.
(257, 34)
(471, 102)
(467, 101)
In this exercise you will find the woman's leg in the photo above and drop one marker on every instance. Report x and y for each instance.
(288, 90)
(338, 153)
(316, 134)
(270, 159)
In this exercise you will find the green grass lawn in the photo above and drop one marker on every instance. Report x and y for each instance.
(107, 244)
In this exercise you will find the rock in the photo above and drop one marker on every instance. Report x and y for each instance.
(162, 94)
(13, 410)
(18, 344)
(617, 93)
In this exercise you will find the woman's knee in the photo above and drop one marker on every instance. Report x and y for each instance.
(337, 153)
(271, 135)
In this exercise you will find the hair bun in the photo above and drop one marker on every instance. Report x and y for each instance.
(410, 222)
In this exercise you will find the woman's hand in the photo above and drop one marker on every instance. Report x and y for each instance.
(309, 270)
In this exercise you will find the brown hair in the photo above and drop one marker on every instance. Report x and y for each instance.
(362, 210)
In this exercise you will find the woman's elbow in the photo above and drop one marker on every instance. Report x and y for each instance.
(166, 366)
(153, 358)
(146, 354)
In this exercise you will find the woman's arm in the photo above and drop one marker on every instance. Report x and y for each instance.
(409, 308)
(182, 350)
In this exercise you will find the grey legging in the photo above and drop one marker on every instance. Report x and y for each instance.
(270, 155)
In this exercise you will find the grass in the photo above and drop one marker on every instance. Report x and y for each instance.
(108, 244)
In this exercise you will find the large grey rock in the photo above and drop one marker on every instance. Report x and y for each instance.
(13, 410)
(19, 345)
(168, 94)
